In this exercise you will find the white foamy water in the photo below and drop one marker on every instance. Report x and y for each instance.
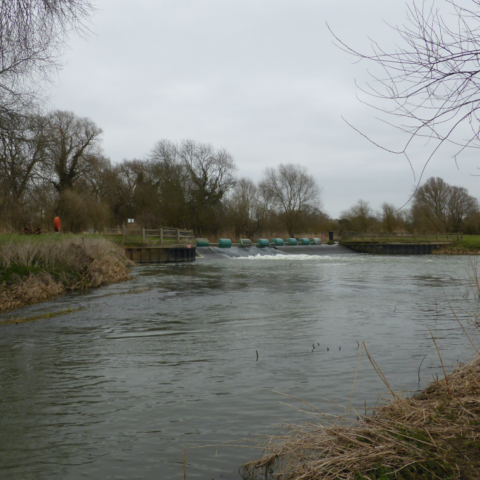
(301, 258)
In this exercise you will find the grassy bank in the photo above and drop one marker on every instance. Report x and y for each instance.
(38, 268)
(469, 245)
(435, 435)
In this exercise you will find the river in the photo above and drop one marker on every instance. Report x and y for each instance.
(167, 362)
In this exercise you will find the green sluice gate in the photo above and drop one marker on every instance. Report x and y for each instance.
(291, 241)
(202, 242)
(303, 241)
(244, 242)
(315, 241)
(277, 242)
(224, 243)
(263, 242)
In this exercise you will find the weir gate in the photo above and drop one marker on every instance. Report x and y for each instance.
(160, 254)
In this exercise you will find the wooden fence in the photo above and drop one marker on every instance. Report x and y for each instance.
(162, 233)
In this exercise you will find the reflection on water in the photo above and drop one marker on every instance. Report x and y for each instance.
(119, 389)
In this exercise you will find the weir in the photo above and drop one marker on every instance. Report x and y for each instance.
(238, 252)
(184, 253)
(161, 253)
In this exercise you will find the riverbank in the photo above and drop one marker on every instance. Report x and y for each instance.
(444, 244)
(432, 435)
(35, 269)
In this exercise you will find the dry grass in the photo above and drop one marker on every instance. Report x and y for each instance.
(34, 271)
(433, 435)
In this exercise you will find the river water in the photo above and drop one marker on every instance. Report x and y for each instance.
(167, 362)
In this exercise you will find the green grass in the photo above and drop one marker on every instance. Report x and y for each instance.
(469, 242)
(17, 238)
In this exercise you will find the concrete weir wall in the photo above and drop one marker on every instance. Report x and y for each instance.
(394, 248)
(158, 254)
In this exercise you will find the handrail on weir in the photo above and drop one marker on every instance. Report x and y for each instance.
(163, 233)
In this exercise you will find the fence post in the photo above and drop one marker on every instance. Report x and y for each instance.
(123, 233)
(143, 234)
(178, 235)
(161, 235)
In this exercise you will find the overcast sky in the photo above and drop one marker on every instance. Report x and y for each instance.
(260, 78)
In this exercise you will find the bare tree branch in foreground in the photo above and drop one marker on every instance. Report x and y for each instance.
(431, 81)
(32, 34)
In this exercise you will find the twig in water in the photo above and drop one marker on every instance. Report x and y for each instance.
(463, 328)
(184, 464)
(420, 368)
(441, 361)
(356, 372)
(257, 355)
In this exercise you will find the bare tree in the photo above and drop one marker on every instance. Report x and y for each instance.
(22, 153)
(359, 218)
(191, 181)
(211, 171)
(390, 217)
(431, 79)
(22, 149)
(461, 205)
(430, 202)
(211, 175)
(73, 147)
(246, 209)
(32, 33)
(290, 192)
(441, 206)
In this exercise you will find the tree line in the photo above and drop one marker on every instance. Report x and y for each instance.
(53, 165)
(436, 207)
